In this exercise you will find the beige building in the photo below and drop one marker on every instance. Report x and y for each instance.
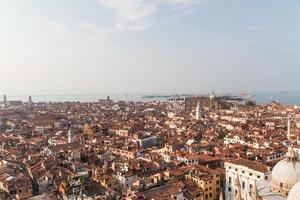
(207, 179)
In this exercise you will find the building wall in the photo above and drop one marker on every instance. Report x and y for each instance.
(247, 178)
(124, 153)
(210, 186)
(126, 181)
(147, 142)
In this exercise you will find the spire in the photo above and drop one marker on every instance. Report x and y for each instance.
(289, 128)
(198, 111)
(254, 192)
(291, 155)
(70, 136)
(238, 187)
(211, 100)
(30, 102)
(4, 100)
(221, 195)
(237, 181)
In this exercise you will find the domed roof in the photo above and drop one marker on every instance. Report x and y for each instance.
(295, 192)
(286, 173)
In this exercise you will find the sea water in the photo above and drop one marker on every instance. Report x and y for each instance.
(286, 98)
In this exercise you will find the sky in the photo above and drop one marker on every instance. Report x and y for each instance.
(138, 46)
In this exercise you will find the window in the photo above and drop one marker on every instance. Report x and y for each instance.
(243, 172)
(229, 189)
(250, 174)
(266, 177)
(258, 176)
(243, 185)
(229, 180)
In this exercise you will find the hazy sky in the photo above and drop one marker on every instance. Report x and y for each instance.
(117, 46)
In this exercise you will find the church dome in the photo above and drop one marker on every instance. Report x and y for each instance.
(286, 174)
(295, 192)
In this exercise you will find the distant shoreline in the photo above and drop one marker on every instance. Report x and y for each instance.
(286, 98)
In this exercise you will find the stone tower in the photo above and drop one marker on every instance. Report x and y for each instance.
(198, 111)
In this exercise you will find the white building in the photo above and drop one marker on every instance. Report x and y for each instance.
(189, 159)
(233, 140)
(126, 179)
(242, 176)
